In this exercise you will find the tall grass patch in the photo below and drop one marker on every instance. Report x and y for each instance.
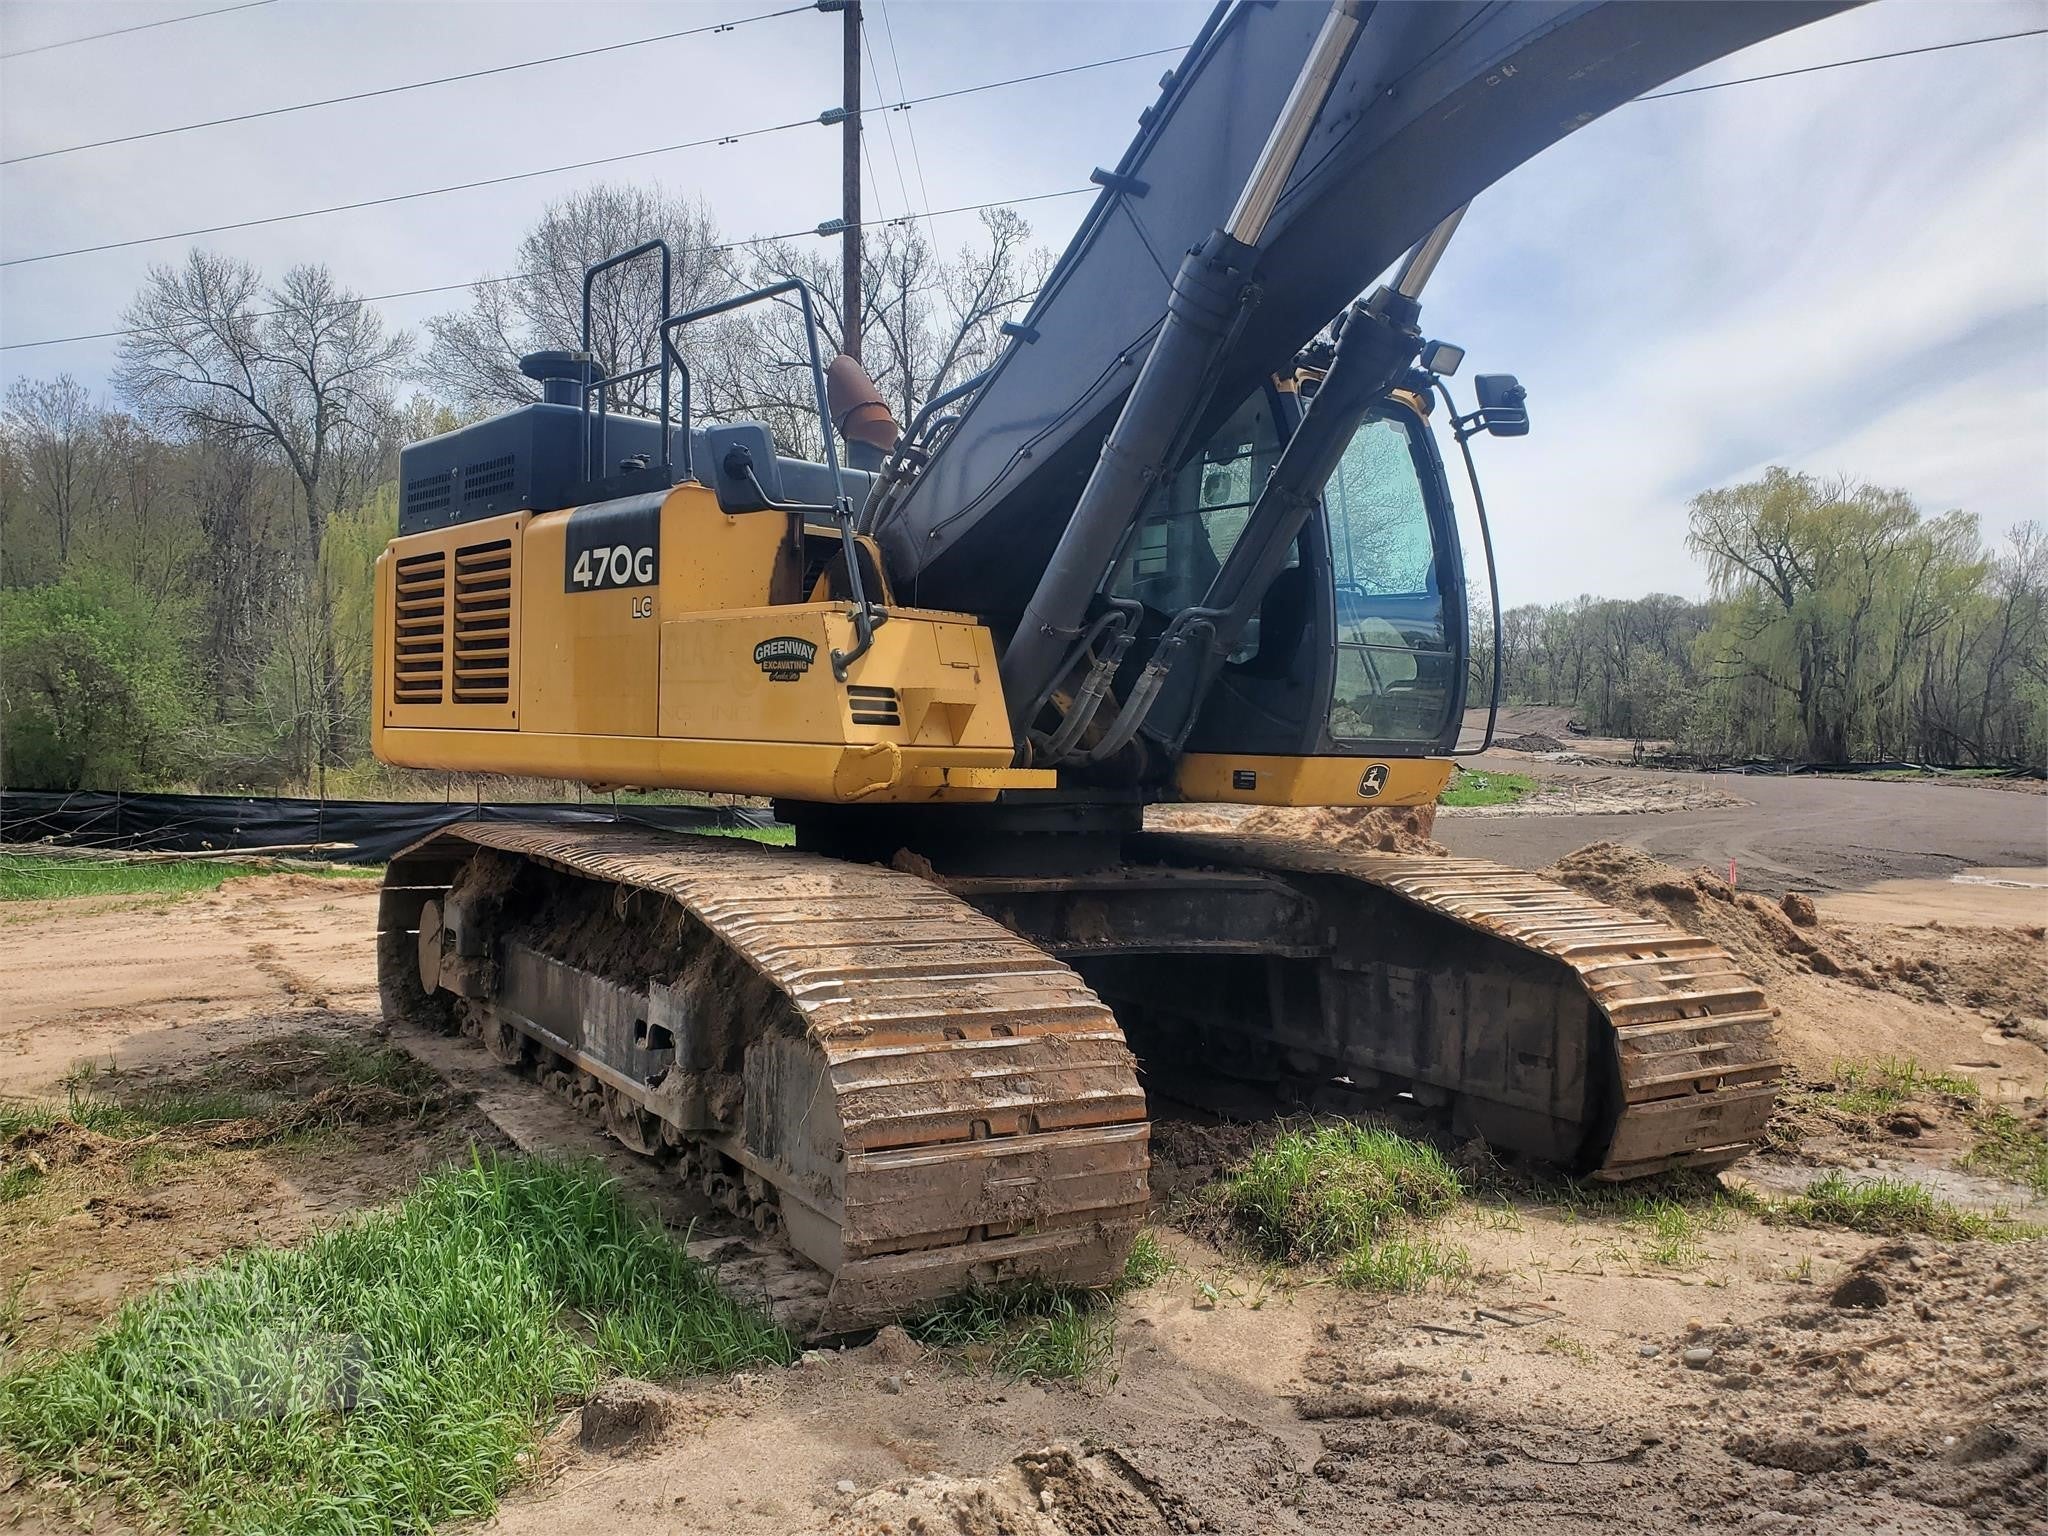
(1351, 1196)
(1892, 1207)
(388, 1374)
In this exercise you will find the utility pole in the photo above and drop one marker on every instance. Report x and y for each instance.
(850, 256)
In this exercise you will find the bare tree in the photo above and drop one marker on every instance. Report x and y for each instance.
(53, 426)
(472, 361)
(929, 321)
(305, 369)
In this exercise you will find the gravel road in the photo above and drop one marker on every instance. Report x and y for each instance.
(1806, 833)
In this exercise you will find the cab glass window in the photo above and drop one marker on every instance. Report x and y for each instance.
(1394, 672)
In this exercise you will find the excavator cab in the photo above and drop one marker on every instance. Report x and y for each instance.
(1357, 645)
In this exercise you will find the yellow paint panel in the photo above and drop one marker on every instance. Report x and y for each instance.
(766, 675)
(815, 771)
(1247, 780)
(587, 658)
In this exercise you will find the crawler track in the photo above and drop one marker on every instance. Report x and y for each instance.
(918, 1098)
(904, 1082)
(1677, 1065)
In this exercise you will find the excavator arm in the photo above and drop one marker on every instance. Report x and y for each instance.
(1350, 131)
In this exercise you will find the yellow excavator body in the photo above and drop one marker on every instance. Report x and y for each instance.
(687, 673)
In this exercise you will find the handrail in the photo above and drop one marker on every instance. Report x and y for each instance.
(865, 615)
(601, 387)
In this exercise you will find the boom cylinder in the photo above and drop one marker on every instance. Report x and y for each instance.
(1177, 376)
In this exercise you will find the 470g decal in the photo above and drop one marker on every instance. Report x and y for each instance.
(605, 549)
(620, 565)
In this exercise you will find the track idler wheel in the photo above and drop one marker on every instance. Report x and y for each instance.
(635, 1128)
(507, 1046)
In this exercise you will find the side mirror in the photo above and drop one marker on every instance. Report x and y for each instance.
(1503, 404)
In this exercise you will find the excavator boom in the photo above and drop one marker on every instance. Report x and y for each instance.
(1433, 103)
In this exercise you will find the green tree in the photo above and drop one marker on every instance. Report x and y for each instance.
(1831, 592)
(95, 689)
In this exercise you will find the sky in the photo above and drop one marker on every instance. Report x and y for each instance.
(1840, 272)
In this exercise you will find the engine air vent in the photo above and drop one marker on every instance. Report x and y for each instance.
(419, 639)
(873, 706)
(482, 481)
(483, 623)
(426, 496)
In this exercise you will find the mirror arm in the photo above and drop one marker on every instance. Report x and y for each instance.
(1463, 428)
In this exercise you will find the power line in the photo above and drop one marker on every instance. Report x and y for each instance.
(777, 128)
(909, 130)
(168, 21)
(1868, 58)
(578, 165)
(416, 85)
(513, 277)
(888, 133)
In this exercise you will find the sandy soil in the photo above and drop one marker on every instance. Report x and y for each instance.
(1551, 1392)
(1974, 898)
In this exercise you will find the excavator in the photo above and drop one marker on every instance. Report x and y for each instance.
(1188, 539)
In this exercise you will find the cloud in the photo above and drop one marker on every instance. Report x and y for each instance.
(1840, 271)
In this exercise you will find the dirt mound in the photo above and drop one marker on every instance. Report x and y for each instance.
(1382, 829)
(624, 1415)
(1530, 741)
(1367, 829)
(1056, 1491)
(1975, 967)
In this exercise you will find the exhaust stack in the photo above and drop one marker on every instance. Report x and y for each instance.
(859, 414)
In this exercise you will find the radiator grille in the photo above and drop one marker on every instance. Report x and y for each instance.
(873, 706)
(483, 623)
(420, 628)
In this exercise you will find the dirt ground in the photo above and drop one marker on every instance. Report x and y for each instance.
(1765, 1378)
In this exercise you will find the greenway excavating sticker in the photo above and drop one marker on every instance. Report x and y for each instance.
(784, 658)
(1374, 781)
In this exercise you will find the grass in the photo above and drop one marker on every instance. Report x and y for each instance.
(1668, 1217)
(2004, 1145)
(1867, 1090)
(387, 1375)
(1569, 1347)
(1404, 1264)
(1470, 787)
(1348, 1195)
(1046, 1332)
(270, 1086)
(1891, 1208)
(777, 836)
(2009, 1148)
(36, 877)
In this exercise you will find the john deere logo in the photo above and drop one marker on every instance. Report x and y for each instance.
(785, 658)
(1374, 781)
